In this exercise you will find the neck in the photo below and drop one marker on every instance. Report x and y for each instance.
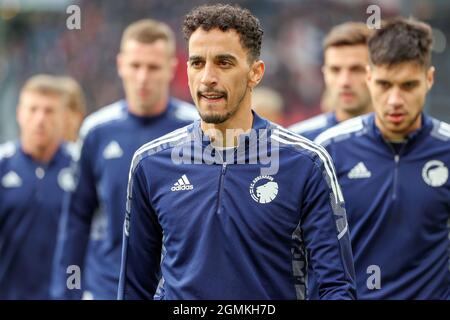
(226, 134)
(40, 154)
(393, 136)
(148, 111)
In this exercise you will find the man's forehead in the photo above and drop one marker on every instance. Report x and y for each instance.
(346, 54)
(202, 39)
(399, 72)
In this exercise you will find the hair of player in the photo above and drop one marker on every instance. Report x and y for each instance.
(401, 40)
(44, 84)
(227, 17)
(347, 34)
(148, 31)
(76, 100)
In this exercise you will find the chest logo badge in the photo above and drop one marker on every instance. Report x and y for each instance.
(263, 189)
(435, 173)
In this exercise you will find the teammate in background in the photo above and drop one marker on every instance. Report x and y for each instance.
(218, 225)
(268, 104)
(393, 169)
(35, 172)
(146, 65)
(345, 60)
(76, 108)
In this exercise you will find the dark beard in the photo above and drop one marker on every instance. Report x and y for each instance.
(221, 118)
(217, 118)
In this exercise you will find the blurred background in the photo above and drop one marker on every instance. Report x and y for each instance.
(34, 39)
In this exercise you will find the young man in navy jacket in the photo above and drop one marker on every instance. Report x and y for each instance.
(35, 173)
(344, 70)
(232, 206)
(393, 169)
(90, 237)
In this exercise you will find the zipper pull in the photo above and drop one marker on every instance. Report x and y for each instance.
(396, 158)
(224, 167)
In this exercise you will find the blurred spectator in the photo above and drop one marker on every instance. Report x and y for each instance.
(346, 58)
(34, 173)
(76, 108)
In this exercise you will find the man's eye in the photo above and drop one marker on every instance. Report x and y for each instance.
(384, 85)
(196, 64)
(334, 70)
(409, 85)
(225, 63)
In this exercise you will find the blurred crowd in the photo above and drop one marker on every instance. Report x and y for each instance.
(38, 41)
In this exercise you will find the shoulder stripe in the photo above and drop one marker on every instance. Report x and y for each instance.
(346, 127)
(444, 126)
(184, 110)
(319, 150)
(7, 149)
(168, 135)
(111, 112)
(154, 144)
(444, 129)
(329, 168)
(317, 122)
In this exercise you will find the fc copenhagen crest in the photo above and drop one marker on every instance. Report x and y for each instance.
(435, 173)
(263, 189)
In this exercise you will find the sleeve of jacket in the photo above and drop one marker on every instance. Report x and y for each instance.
(74, 229)
(326, 234)
(142, 241)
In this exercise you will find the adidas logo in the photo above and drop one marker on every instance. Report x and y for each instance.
(112, 150)
(182, 184)
(359, 172)
(11, 180)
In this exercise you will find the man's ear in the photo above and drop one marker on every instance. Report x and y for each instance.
(173, 67)
(430, 77)
(256, 73)
(119, 62)
(18, 112)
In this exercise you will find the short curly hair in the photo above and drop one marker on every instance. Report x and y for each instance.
(401, 40)
(227, 17)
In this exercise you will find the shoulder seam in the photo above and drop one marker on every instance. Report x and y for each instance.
(319, 150)
(104, 115)
(315, 123)
(346, 127)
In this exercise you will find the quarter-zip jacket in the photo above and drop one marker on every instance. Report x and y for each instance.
(31, 196)
(215, 226)
(91, 228)
(398, 205)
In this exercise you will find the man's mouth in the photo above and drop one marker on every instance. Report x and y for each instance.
(212, 96)
(396, 117)
(347, 95)
(143, 92)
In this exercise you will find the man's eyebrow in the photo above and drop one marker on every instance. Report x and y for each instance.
(226, 56)
(412, 81)
(195, 58)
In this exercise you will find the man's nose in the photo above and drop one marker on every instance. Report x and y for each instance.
(143, 74)
(209, 76)
(344, 78)
(395, 98)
